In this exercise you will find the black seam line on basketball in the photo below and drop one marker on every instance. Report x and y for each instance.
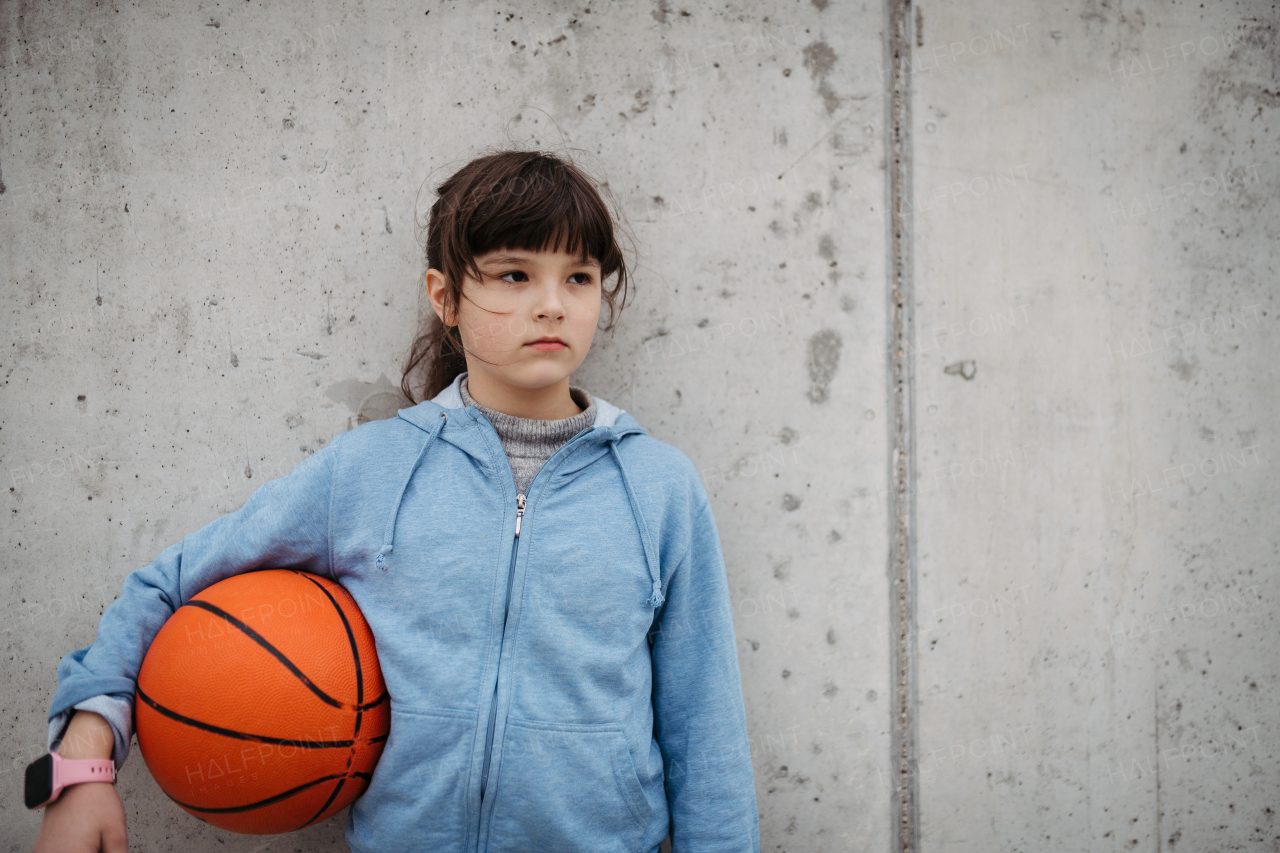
(355, 657)
(351, 639)
(336, 789)
(276, 653)
(375, 703)
(378, 739)
(232, 733)
(355, 651)
(268, 801)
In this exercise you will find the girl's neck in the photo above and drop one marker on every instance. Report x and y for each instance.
(551, 403)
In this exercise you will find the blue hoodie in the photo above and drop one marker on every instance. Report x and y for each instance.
(584, 671)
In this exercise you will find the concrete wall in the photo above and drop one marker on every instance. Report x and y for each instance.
(1097, 390)
(207, 222)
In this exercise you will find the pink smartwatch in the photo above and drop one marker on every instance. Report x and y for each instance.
(50, 773)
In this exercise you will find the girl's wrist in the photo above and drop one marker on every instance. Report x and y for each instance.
(88, 735)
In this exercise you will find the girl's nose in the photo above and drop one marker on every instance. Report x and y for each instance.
(550, 305)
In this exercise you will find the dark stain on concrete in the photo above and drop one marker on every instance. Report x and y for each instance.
(790, 502)
(823, 361)
(383, 405)
(660, 333)
(1224, 84)
(830, 100)
(371, 401)
(1185, 369)
(641, 101)
(965, 369)
(819, 58)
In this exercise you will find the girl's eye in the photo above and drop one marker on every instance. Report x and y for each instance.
(584, 276)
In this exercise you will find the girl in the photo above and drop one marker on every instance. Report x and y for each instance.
(544, 580)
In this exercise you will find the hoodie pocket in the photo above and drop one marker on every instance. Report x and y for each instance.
(416, 799)
(568, 788)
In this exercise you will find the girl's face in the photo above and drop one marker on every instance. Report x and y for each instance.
(530, 322)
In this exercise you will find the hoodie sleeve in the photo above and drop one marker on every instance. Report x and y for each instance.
(699, 715)
(117, 710)
(284, 523)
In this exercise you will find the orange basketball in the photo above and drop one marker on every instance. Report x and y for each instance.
(260, 706)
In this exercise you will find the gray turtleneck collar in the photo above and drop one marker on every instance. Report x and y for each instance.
(529, 442)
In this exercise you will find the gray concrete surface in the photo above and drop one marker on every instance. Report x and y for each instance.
(1097, 389)
(207, 232)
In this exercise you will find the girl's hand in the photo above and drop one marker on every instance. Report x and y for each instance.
(86, 818)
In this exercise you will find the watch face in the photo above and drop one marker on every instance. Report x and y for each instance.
(39, 781)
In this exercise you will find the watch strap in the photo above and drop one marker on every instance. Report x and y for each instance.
(73, 771)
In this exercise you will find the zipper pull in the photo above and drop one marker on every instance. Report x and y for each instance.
(519, 513)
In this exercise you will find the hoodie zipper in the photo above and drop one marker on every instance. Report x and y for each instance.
(511, 568)
(506, 607)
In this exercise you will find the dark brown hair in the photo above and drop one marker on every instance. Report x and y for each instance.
(529, 200)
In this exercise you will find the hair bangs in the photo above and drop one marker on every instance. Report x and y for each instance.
(542, 210)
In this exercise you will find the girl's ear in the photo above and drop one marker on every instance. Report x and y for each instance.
(436, 288)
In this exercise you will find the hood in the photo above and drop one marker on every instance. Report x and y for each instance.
(607, 414)
(445, 417)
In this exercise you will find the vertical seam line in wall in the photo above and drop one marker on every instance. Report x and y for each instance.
(901, 386)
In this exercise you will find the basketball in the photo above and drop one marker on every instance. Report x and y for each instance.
(260, 706)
